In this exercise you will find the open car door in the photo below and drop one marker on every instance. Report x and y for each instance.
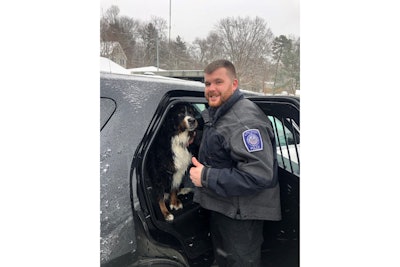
(281, 239)
(189, 233)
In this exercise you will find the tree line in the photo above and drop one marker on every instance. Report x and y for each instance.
(264, 62)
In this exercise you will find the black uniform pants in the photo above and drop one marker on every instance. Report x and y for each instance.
(237, 243)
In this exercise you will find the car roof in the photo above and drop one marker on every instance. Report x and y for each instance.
(140, 95)
(155, 79)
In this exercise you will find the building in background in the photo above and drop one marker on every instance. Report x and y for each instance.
(114, 52)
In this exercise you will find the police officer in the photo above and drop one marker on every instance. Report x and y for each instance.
(236, 171)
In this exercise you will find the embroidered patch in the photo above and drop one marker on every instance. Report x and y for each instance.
(252, 140)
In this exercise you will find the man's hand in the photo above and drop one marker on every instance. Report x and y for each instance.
(195, 172)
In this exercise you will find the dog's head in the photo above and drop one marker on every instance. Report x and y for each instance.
(183, 118)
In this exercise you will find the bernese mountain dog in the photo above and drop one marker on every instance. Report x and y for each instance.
(170, 156)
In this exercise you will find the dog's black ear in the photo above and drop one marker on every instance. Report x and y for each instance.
(173, 117)
(172, 123)
(169, 123)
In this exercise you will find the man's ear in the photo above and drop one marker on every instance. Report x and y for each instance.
(235, 84)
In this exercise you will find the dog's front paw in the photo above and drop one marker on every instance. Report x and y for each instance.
(176, 206)
(185, 191)
(169, 217)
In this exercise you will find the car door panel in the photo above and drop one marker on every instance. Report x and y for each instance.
(281, 239)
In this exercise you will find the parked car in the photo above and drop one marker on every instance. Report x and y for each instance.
(133, 233)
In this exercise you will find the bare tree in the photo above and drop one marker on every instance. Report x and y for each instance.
(247, 43)
(111, 15)
(208, 49)
(123, 30)
(160, 24)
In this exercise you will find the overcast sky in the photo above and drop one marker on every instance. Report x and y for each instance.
(195, 18)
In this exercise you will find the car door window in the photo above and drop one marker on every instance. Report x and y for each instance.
(287, 142)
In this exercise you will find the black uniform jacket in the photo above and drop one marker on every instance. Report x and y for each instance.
(239, 154)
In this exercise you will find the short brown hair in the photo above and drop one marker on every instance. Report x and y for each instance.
(221, 63)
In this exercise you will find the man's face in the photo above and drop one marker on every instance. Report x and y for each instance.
(219, 87)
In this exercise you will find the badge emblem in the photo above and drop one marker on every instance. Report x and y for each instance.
(252, 140)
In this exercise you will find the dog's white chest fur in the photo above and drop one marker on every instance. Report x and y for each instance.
(182, 157)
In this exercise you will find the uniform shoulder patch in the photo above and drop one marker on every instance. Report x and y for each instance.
(252, 140)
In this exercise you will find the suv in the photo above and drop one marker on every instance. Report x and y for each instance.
(133, 109)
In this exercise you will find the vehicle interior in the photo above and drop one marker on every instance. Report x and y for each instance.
(189, 232)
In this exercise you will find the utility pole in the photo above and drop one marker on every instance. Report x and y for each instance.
(169, 35)
(158, 61)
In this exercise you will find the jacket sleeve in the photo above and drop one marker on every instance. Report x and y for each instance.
(252, 172)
